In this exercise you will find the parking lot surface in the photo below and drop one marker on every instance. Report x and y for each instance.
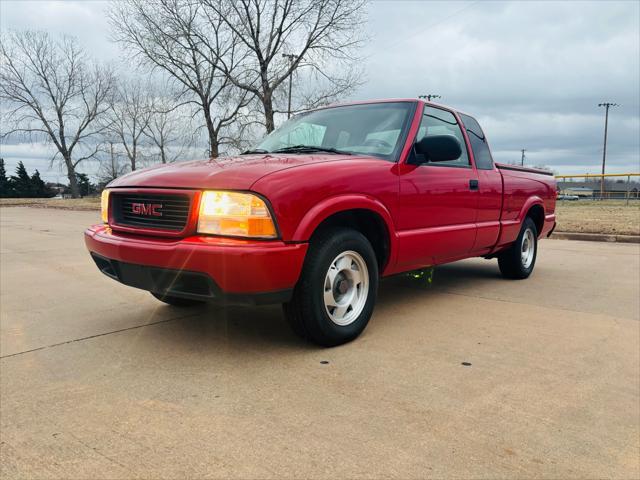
(98, 380)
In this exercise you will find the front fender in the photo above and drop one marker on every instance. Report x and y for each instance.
(341, 203)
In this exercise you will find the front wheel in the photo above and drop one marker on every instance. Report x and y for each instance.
(517, 261)
(336, 293)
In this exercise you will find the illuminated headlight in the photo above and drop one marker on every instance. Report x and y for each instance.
(235, 214)
(104, 206)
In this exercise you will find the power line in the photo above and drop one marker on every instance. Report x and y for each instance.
(425, 27)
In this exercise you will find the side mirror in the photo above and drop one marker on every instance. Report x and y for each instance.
(439, 148)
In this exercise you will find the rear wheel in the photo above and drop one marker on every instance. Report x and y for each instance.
(176, 301)
(335, 296)
(517, 261)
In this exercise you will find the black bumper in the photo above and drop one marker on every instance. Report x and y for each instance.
(182, 284)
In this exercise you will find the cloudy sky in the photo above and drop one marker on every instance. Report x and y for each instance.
(532, 72)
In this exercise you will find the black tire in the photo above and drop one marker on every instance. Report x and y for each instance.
(511, 262)
(306, 312)
(177, 301)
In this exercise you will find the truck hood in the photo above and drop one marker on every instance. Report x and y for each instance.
(232, 173)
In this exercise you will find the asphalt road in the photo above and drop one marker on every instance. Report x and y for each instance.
(98, 380)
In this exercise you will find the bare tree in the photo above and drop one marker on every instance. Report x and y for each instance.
(52, 91)
(179, 38)
(281, 36)
(129, 114)
(313, 88)
(169, 130)
(111, 166)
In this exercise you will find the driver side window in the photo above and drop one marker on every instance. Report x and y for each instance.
(383, 140)
(441, 122)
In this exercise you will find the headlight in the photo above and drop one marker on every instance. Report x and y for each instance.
(235, 214)
(104, 205)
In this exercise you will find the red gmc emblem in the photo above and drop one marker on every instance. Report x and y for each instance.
(147, 209)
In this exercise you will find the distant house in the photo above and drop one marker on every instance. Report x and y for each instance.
(578, 191)
(618, 188)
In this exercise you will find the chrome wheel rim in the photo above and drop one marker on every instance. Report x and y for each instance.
(346, 287)
(528, 248)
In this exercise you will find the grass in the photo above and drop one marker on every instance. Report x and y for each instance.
(607, 216)
(584, 216)
(87, 203)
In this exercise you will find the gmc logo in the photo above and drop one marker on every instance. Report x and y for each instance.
(153, 209)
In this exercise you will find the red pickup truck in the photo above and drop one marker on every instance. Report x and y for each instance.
(322, 208)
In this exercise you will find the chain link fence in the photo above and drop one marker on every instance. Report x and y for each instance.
(621, 187)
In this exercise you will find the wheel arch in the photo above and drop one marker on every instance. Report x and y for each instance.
(366, 214)
(534, 209)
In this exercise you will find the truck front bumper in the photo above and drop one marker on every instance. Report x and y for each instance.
(233, 271)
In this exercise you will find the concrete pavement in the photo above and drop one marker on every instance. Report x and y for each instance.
(98, 380)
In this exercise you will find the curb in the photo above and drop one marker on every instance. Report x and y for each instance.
(595, 237)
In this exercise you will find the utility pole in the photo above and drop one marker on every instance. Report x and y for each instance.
(429, 96)
(522, 158)
(606, 105)
(292, 58)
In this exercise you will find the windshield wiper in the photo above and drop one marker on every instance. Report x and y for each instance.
(257, 150)
(309, 148)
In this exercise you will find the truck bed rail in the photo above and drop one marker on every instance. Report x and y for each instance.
(518, 168)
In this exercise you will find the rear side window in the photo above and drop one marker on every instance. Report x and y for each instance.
(441, 122)
(481, 152)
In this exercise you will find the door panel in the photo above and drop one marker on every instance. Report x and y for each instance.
(437, 214)
(438, 200)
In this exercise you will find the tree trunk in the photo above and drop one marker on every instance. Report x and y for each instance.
(214, 152)
(133, 156)
(267, 104)
(213, 135)
(73, 181)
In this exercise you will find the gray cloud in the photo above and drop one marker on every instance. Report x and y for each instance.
(83, 19)
(532, 72)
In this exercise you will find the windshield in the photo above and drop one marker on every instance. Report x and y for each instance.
(376, 129)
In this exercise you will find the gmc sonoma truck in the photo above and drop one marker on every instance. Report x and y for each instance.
(322, 208)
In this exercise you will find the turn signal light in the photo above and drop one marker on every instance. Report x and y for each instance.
(104, 206)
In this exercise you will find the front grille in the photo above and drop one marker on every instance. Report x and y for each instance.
(162, 212)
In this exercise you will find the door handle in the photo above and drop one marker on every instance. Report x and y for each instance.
(473, 185)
